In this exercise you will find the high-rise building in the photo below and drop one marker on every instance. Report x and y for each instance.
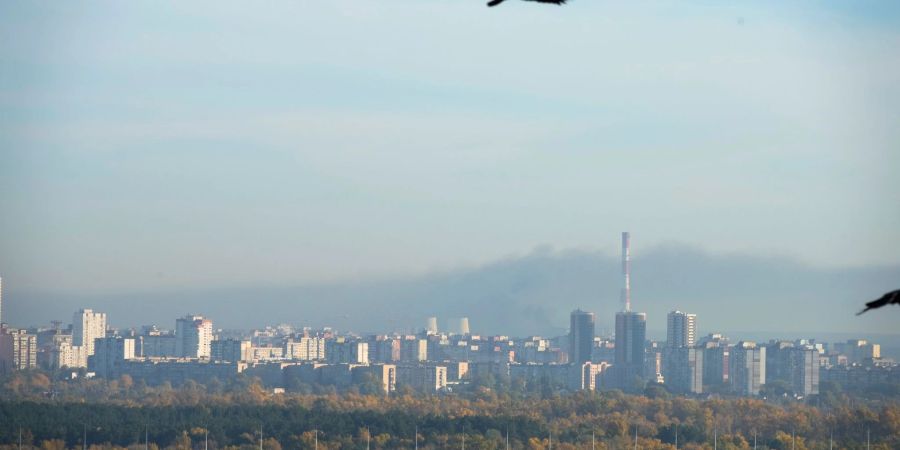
(631, 328)
(805, 370)
(110, 353)
(154, 343)
(387, 350)
(193, 337)
(1, 300)
(385, 374)
(230, 350)
(87, 326)
(413, 350)
(66, 355)
(305, 348)
(631, 336)
(654, 361)
(795, 365)
(581, 336)
(716, 356)
(748, 368)
(18, 350)
(423, 378)
(778, 361)
(681, 329)
(342, 351)
(684, 369)
(859, 350)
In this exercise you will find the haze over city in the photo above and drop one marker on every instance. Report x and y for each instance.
(404, 159)
(434, 224)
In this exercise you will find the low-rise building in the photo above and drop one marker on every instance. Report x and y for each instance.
(154, 371)
(422, 378)
(585, 376)
(266, 353)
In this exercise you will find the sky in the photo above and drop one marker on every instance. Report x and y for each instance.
(202, 145)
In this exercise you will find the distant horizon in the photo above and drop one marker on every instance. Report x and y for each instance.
(590, 279)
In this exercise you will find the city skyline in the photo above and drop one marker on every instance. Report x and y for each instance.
(350, 178)
(424, 224)
(432, 361)
(582, 360)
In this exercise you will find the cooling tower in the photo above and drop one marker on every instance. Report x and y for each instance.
(464, 325)
(431, 326)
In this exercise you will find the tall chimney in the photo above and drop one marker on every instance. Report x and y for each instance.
(626, 270)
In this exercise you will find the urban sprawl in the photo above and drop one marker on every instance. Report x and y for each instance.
(436, 361)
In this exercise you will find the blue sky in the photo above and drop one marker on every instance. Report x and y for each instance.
(198, 144)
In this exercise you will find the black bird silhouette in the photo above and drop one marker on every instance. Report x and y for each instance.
(892, 297)
(555, 2)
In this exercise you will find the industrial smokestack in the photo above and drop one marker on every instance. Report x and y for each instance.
(626, 270)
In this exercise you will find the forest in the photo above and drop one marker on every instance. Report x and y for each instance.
(42, 412)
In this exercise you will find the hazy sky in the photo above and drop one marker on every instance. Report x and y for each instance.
(147, 145)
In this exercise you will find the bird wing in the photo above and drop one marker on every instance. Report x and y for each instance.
(555, 2)
(890, 297)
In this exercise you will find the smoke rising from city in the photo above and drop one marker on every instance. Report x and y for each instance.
(523, 295)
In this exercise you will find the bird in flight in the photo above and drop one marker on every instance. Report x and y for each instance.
(555, 2)
(892, 297)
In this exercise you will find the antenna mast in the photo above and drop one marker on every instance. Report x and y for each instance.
(626, 270)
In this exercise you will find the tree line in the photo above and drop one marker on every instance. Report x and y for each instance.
(119, 414)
